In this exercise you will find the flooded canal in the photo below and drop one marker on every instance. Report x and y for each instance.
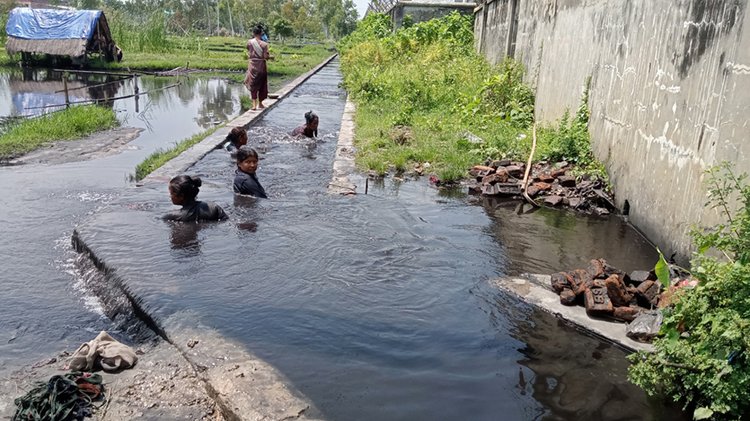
(43, 309)
(377, 306)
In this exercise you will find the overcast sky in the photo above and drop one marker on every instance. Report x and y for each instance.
(361, 7)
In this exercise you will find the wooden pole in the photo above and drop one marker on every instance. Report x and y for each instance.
(528, 168)
(65, 88)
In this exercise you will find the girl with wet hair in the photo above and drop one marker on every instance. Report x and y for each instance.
(236, 138)
(245, 180)
(310, 129)
(183, 190)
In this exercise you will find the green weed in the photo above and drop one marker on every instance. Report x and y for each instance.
(161, 156)
(73, 123)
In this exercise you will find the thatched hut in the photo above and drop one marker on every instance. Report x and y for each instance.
(73, 33)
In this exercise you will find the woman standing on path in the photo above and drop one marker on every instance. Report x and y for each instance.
(256, 79)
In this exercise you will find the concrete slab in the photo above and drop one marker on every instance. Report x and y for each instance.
(243, 385)
(187, 159)
(343, 162)
(534, 290)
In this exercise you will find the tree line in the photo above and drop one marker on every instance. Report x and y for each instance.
(304, 19)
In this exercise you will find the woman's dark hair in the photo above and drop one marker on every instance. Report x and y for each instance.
(310, 117)
(186, 186)
(258, 30)
(246, 152)
(235, 134)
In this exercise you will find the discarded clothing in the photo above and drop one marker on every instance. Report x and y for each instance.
(245, 183)
(65, 397)
(197, 211)
(104, 352)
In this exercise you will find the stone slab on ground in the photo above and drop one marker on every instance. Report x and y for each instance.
(534, 290)
(245, 386)
(195, 153)
(162, 385)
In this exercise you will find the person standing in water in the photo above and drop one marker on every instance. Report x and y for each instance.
(245, 180)
(183, 190)
(256, 79)
(310, 128)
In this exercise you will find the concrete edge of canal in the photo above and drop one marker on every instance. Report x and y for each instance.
(343, 161)
(187, 159)
(531, 288)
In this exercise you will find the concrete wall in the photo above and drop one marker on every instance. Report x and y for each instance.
(670, 92)
(424, 11)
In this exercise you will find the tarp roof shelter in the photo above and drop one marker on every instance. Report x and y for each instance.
(59, 32)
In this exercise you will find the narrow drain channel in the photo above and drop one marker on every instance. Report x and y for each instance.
(378, 306)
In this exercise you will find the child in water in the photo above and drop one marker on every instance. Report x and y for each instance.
(245, 180)
(236, 138)
(310, 129)
(183, 190)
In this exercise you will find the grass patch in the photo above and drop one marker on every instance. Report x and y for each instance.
(246, 103)
(73, 123)
(458, 110)
(161, 156)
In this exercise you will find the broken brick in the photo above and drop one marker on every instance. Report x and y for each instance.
(617, 292)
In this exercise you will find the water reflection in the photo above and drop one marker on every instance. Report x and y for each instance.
(184, 236)
(32, 91)
(549, 240)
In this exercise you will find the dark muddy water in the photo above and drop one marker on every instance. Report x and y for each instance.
(378, 306)
(43, 308)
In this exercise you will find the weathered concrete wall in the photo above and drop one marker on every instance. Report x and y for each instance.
(424, 11)
(669, 98)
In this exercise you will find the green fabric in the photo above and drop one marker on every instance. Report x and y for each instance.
(59, 399)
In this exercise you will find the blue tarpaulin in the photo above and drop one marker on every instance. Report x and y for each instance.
(43, 24)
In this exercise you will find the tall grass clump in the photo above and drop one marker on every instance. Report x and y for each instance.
(139, 33)
(73, 123)
(426, 80)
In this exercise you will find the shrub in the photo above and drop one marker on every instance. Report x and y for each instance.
(701, 356)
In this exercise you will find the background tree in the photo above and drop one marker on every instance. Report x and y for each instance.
(282, 28)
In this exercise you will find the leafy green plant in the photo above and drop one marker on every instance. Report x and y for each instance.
(701, 357)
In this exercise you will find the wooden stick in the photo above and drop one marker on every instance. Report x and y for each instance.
(95, 86)
(104, 100)
(90, 72)
(528, 168)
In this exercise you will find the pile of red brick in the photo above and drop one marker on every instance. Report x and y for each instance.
(553, 184)
(608, 292)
